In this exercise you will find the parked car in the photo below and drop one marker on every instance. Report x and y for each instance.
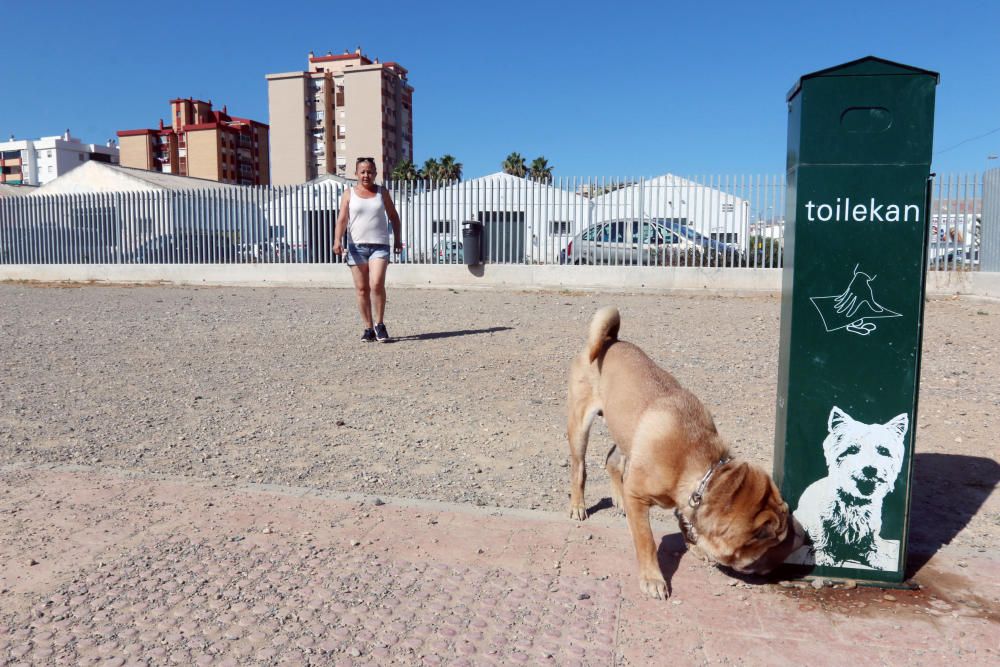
(655, 242)
(448, 252)
(266, 251)
(185, 249)
(706, 243)
(954, 243)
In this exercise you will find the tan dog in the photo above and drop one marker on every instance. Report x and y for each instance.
(667, 452)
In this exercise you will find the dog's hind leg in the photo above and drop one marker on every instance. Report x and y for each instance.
(615, 465)
(581, 417)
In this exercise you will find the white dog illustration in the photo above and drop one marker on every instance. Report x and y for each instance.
(843, 511)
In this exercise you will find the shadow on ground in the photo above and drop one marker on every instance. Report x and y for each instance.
(668, 556)
(672, 548)
(948, 490)
(602, 504)
(448, 334)
(669, 553)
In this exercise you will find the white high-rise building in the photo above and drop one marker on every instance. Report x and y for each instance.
(38, 161)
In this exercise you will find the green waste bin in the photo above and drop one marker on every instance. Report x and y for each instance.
(859, 153)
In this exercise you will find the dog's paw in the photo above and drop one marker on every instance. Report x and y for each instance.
(578, 512)
(698, 553)
(654, 587)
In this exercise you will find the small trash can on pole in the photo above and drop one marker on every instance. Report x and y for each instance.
(852, 307)
(472, 242)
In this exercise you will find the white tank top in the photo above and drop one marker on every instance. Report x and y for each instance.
(367, 221)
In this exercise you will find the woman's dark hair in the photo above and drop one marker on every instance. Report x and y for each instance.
(365, 159)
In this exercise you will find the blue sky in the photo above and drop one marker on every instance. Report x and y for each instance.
(598, 88)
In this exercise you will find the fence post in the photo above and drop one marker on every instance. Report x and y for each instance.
(989, 245)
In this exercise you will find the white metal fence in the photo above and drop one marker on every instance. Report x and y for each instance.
(731, 221)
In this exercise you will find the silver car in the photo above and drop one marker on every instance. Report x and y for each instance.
(631, 242)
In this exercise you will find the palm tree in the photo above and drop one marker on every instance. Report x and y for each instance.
(431, 171)
(404, 170)
(514, 165)
(541, 170)
(449, 168)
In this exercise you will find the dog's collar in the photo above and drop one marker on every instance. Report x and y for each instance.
(687, 525)
(699, 493)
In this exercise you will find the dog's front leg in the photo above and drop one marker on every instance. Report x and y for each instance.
(651, 579)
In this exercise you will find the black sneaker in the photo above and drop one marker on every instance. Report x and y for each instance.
(368, 336)
(381, 335)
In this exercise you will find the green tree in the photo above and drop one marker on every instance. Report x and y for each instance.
(514, 165)
(431, 171)
(541, 170)
(449, 168)
(404, 170)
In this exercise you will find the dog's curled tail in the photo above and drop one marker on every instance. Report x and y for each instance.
(603, 330)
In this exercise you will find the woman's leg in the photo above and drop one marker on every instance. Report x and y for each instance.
(377, 271)
(363, 293)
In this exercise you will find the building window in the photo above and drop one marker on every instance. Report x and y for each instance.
(727, 208)
(80, 155)
(559, 227)
(441, 227)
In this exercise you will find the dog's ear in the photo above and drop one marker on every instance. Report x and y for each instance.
(730, 478)
(766, 526)
(899, 424)
(837, 419)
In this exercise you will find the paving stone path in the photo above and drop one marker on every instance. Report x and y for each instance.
(114, 569)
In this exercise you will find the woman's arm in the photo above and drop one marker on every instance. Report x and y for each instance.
(397, 226)
(341, 227)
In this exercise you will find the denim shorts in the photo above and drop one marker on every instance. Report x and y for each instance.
(363, 252)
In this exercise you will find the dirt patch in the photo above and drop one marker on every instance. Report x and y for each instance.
(946, 595)
(272, 385)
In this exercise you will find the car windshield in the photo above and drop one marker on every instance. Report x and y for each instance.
(681, 228)
(691, 234)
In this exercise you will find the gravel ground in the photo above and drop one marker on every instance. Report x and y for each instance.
(273, 385)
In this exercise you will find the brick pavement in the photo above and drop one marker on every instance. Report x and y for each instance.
(106, 568)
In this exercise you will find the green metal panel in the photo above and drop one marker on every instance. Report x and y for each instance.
(859, 149)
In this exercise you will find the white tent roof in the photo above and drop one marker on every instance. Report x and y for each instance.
(332, 178)
(663, 183)
(708, 205)
(94, 176)
(501, 188)
(16, 190)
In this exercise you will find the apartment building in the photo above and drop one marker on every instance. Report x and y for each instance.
(38, 161)
(344, 107)
(203, 143)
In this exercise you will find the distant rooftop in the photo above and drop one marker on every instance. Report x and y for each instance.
(95, 176)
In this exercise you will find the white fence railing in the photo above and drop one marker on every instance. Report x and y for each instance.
(732, 221)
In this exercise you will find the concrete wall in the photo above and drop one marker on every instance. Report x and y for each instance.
(363, 118)
(136, 151)
(203, 154)
(286, 108)
(598, 278)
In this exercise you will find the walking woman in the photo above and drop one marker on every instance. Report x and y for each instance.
(364, 210)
